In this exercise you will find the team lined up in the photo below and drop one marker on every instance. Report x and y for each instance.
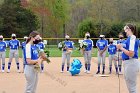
(14, 46)
(102, 46)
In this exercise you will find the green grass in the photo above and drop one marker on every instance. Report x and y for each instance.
(55, 52)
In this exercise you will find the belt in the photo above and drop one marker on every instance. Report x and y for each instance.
(14, 49)
(128, 59)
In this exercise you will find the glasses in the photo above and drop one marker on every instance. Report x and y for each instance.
(37, 37)
(126, 27)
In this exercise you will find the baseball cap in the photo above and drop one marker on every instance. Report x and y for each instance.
(102, 36)
(13, 35)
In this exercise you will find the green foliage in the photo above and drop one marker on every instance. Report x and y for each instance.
(16, 19)
(86, 25)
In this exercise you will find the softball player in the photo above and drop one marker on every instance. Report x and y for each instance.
(2, 52)
(66, 52)
(14, 46)
(112, 52)
(119, 52)
(31, 58)
(88, 52)
(130, 57)
(41, 45)
(23, 48)
(101, 46)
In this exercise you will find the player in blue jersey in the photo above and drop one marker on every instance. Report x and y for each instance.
(23, 48)
(102, 47)
(87, 52)
(3, 46)
(14, 45)
(119, 52)
(31, 59)
(66, 52)
(130, 58)
(41, 45)
(112, 49)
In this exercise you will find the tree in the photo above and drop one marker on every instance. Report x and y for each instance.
(16, 19)
(54, 17)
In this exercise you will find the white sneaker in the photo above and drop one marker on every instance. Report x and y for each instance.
(120, 73)
(67, 71)
(61, 71)
(8, 71)
(42, 71)
(2, 71)
(18, 71)
(85, 71)
(88, 72)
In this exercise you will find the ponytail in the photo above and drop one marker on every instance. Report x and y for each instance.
(28, 39)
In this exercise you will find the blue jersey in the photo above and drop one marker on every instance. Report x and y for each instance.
(68, 44)
(30, 52)
(2, 46)
(121, 42)
(112, 49)
(101, 44)
(131, 44)
(23, 44)
(14, 44)
(40, 45)
(90, 44)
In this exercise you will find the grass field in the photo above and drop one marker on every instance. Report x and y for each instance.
(55, 52)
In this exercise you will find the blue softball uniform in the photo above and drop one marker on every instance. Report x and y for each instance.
(30, 52)
(131, 44)
(121, 42)
(14, 44)
(23, 44)
(68, 44)
(40, 45)
(101, 44)
(112, 49)
(3, 46)
(90, 44)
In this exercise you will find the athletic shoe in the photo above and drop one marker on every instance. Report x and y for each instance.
(120, 73)
(88, 72)
(103, 72)
(8, 71)
(109, 72)
(61, 71)
(18, 71)
(98, 72)
(2, 71)
(42, 71)
(85, 71)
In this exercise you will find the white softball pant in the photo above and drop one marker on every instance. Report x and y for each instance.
(131, 69)
(66, 56)
(87, 56)
(32, 79)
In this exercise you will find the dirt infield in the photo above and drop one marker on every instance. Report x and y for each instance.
(52, 81)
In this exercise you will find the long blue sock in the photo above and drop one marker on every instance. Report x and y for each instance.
(116, 69)
(104, 68)
(3, 66)
(67, 68)
(110, 68)
(88, 67)
(98, 68)
(120, 68)
(62, 67)
(42, 67)
(9, 65)
(17, 65)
